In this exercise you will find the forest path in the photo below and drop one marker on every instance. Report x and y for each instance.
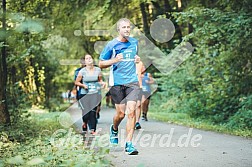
(162, 144)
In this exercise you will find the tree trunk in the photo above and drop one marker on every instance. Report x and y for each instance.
(157, 10)
(4, 113)
(145, 19)
(168, 10)
(190, 30)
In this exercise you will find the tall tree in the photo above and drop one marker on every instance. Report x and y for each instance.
(145, 19)
(4, 113)
(168, 10)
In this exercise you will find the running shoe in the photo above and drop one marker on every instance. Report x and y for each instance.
(144, 117)
(84, 129)
(130, 149)
(113, 135)
(138, 126)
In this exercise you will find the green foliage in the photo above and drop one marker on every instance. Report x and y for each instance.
(186, 120)
(33, 60)
(56, 104)
(29, 143)
(18, 102)
(242, 119)
(211, 82)
(218, 81)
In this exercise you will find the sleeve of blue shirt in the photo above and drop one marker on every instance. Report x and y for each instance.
(107, 52)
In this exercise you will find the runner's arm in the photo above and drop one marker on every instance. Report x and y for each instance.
(151, 79)
(78, 81)
(108, 63)
(103, 84)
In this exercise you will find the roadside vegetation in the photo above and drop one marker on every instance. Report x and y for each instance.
(40, 140)
(42, 41)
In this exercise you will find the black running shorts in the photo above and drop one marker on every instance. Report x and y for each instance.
(122, 93)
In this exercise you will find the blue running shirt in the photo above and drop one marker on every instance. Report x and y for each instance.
(123, 72)
(146, 86)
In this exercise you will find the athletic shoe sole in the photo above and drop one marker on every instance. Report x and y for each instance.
(132, 153)
(138, 127)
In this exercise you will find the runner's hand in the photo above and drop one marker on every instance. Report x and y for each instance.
(119, 57)
(137, 59)
(85, 86)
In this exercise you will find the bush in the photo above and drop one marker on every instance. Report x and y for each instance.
(242, 118)
(29, 142)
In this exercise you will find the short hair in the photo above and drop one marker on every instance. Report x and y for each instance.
(119, 22)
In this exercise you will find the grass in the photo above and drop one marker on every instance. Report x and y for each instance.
(185, 120)
(33, 141)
